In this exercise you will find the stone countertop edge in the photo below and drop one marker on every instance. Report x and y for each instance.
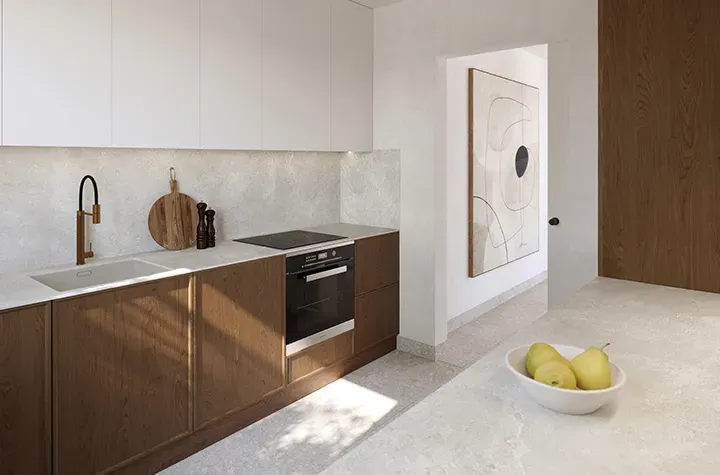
(20, 290)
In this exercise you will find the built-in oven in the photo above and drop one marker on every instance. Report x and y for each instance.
(320, 295)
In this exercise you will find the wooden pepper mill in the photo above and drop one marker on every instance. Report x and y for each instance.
(202, 241)
(210, 214)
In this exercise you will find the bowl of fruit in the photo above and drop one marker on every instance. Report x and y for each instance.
(566, 379)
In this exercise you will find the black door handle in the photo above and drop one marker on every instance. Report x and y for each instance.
(554, 221)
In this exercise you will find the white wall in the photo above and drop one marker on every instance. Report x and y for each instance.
(464, 293)
(413, 39)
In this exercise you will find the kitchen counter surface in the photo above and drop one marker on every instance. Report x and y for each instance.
(20, 290)
(665, 420)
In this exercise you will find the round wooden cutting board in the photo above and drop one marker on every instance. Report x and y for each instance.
(173, 219)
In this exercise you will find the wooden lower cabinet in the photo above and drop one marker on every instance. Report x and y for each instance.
(240, 343)
(25, 391)
(377, 262)
(121, 374)
(320, 356)
(377, 317)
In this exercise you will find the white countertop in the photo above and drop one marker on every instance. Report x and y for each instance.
(664, 422)
(19, 290)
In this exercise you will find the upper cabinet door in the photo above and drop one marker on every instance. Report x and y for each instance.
(231, 74)
(296, 75)
(155, 74)
(56, 72)
(352, 77)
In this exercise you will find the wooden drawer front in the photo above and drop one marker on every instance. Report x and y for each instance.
(319, 356)
(377, 262)
(377, 317)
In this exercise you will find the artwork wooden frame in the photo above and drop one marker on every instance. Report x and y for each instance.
(504, 163)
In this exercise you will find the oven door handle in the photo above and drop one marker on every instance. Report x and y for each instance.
(326, 274)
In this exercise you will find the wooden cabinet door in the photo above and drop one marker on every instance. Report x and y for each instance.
(231, 74)
(351, 61)
(156, 73)
(377, 262)
(25, 391)
(296, 75)
(377, 317)
(121, 374)
(240, 336)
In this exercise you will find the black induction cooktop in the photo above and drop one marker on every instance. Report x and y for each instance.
(290, 239)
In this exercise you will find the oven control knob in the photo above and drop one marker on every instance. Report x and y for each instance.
(334, 253)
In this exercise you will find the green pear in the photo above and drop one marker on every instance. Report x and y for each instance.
(592, 369)
(557, 374)
(540, 353)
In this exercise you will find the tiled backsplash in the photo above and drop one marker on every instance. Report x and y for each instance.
(252, 192)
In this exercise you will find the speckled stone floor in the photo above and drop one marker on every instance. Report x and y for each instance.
(309, 435)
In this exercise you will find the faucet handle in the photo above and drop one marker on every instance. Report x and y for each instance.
(90, 253)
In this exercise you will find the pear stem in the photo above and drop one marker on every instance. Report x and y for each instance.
(604, 346)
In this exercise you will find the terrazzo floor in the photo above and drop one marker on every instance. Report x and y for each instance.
(309, 435)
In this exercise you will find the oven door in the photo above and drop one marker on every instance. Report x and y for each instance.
(319, 303)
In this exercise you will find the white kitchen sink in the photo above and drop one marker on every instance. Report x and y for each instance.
(102, 274)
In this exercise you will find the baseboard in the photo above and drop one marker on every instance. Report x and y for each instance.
(483, 308)
(423, 350)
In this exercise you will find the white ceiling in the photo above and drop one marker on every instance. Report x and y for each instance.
(376, 3)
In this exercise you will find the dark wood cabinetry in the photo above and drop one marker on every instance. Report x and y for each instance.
(377, 317)
(240, 353)
(25, 391)
(121, 374)
(377, 301)
(320, 356)
(134, 379)
(377, 262)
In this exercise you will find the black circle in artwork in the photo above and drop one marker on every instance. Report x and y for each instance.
(522, 158)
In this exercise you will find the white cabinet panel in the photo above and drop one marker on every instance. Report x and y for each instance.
(352, 77)
(231, 74)
(56, 72)
(155, 76)
(296, 75)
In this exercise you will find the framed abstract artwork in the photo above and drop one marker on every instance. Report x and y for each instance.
(504, 141)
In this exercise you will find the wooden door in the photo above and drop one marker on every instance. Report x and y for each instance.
(240, 336)
(377, 262)
(121, 374)
(660, 142)
(377, 317)
(25, 391)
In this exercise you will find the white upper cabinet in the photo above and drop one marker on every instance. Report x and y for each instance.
(155, 73)
(56, 72)
(296, 75)
(352, 77)
(231, 74)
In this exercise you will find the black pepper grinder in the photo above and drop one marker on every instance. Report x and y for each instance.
(201, 240)
(210, 214)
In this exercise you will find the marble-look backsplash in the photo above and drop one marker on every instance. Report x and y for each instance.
(370, 188)
(252, 192)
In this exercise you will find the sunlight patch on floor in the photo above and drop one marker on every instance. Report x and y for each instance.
(336, 416)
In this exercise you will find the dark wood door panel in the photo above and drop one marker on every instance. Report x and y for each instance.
(121, 374)
(659, 149)
(377, 262)
(25, 391)
(240, 336)
(377, 317)
(320, 356)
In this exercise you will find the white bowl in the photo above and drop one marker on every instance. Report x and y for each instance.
(565, 401)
